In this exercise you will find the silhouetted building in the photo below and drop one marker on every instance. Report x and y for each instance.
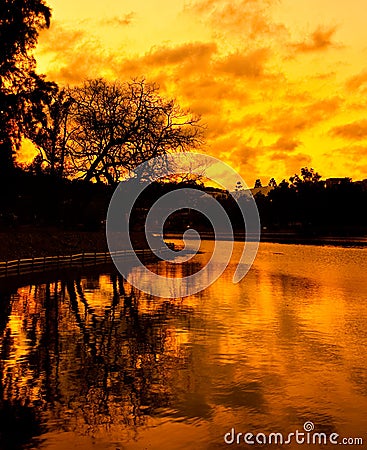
(329, 182)
(362, 183)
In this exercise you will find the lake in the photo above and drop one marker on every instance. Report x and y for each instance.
(88, 362)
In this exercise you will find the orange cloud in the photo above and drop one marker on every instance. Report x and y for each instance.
(196, 52)
(249, 65)
(290, 120)
(293, 162)
(259, 161)
(320, 39)
(61, 40)
(352, 165)
(357, 81)
(286, 143)
(74, 55)
(119, 21)
(324, 108)
(248, 18)
(353, 131)
(211, 95)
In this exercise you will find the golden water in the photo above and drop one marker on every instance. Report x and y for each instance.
(89, 363)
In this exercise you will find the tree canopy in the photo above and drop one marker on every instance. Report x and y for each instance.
(103, 130)
(23, 93)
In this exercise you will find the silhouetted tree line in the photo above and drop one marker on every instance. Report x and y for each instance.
(305, 204)
(309, 205)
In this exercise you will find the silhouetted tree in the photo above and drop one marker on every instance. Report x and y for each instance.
(258, 183)
(22, 92)
(119, 126)
(307, 176)
(52, 138)
(272, 183)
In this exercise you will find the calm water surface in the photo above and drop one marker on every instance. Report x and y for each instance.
(89, 363)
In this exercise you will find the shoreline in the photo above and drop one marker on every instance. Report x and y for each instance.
(34, 243)
(292, 239)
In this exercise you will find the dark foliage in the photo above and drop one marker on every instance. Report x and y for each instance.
(42, 200)
(23, 93)
(309, 205)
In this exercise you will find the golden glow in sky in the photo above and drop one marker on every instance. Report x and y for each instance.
(280, 84)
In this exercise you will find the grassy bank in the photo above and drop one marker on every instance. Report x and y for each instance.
(29, 243)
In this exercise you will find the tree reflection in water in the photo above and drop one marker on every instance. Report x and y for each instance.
(86, 353)
(87, 362)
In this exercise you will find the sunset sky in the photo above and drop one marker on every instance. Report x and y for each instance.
(280, 84)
